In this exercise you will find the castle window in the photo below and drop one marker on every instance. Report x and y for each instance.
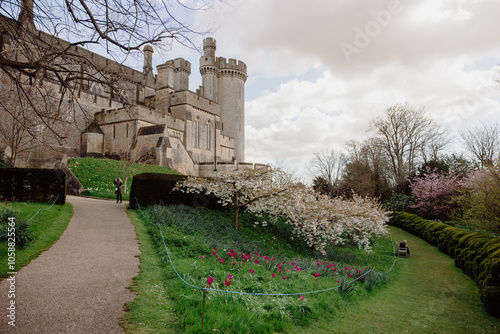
(209, 136)
(127, 130)
(114, 131)
(197, 132)
(124, 97)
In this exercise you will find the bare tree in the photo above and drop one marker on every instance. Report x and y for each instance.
(439, 140)
(482, 143)
(327, 166)
(44, 44)
(404, 131)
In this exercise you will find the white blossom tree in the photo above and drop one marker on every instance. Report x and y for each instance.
(317, 219)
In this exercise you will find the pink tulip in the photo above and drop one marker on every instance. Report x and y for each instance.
(273, 275)
(203, 257)
(256, 261)
(284, 277)
(302, 297)
(210, 280)
(227, 283)
(229, 277)
(252, 271)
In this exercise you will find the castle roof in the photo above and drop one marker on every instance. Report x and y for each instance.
(151, 130)
(93, 128)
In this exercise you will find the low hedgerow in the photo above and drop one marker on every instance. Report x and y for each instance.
(257, 258)
(477, 255)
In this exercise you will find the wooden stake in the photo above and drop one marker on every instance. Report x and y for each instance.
(203, 311)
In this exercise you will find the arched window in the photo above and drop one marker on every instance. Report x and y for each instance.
(197, 132)
(209, 136)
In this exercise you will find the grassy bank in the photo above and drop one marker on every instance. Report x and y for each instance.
(425, 294)
(203, 245)
(97, 175)
(46, 228)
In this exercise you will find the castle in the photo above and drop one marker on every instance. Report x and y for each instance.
(134, 115)
(169, 125)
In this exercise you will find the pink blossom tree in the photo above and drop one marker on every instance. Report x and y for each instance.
(435, 193)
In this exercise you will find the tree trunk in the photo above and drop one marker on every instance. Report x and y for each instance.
(236, 209)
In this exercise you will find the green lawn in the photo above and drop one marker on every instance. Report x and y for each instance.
(97, 175)
(46, 228)
(428, 294)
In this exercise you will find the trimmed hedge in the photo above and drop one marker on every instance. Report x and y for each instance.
(33, 184)
(477, 255)
(155, 188)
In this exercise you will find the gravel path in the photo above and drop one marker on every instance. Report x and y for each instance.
(79, 284)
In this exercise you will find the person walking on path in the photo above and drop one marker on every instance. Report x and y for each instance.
(118, 190)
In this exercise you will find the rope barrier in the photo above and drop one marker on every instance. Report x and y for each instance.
(249, 293)
(43, 209)
(37, 213)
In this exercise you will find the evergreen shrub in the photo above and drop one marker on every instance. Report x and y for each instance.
(23, 233)
(155, 188)
(477, 255)
(33, 184)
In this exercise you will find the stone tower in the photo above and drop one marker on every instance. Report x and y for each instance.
(223, 81)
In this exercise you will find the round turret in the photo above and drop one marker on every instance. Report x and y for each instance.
(208, 69)
(232, 77)
(209, 47)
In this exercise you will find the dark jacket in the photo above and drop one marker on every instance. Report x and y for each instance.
(118, 183)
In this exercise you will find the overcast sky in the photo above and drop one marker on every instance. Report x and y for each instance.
(320, 70)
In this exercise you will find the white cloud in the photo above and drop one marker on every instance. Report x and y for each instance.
(440, 54)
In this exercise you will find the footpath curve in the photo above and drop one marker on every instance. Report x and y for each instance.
(80, 284)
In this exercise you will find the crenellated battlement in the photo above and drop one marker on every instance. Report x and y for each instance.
(181, 65)
(232, 64)
(209, 46)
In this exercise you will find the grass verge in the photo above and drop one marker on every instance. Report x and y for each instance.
(151, 311)
(46, 229)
